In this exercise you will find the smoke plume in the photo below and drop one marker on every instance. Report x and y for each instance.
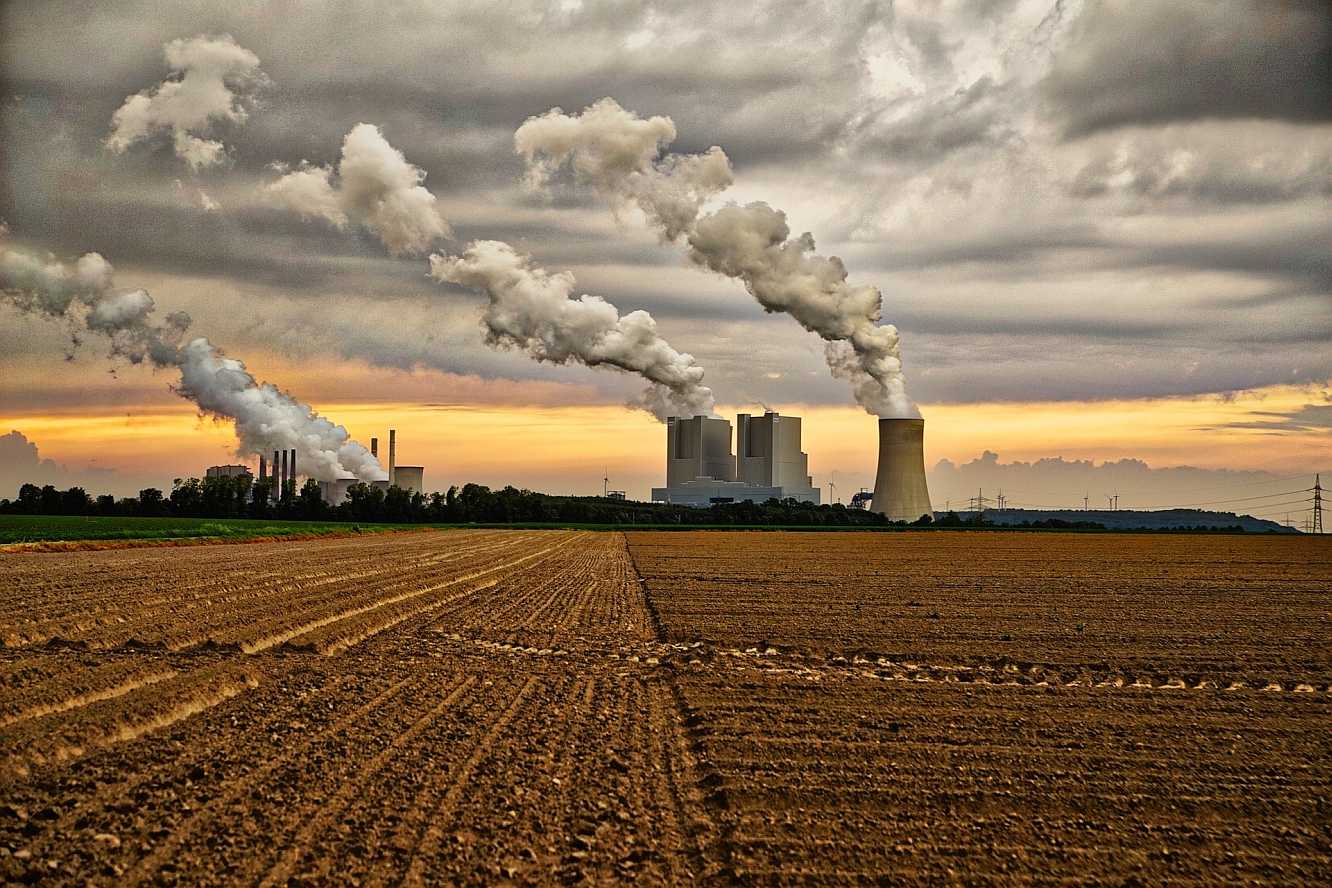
(616, 152)
(376, 187)
(211, 81)
(535, 310)
(621, 155)
(266, 419)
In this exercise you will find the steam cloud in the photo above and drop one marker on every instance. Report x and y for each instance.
(616, 151)
(620, 155)
(213, 79)
(266, 419)
(534, 310)
(376, 187)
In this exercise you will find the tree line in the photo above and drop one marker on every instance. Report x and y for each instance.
(244, 497)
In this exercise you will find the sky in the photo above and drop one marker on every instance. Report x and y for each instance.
(1100, 228)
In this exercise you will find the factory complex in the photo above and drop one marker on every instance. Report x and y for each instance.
(281, 474)
(701, 469)
(408, 478)
(768, 464)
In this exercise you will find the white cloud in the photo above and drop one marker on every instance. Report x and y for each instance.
(211, 79)
(376, 186)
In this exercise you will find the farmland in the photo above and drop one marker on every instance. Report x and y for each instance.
(545, 706)
(19, 529)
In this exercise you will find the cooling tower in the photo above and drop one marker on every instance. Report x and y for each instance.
(900, 492)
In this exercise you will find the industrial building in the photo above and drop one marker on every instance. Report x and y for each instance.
(698, 447)
(702, 471)
(226, 471)
(408, 478)
(767, 452)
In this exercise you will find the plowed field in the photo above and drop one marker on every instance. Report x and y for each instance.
(552, 707)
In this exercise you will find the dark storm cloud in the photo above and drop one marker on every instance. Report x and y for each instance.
(999, 247)
(1220, 182)
(974, 115)
(762, 81)
(1128, 62)
(1295, 253)
(1309, 418)
(982, 201)
(1038, 367)
(1085, 328)
(21, 463)
(1062, 483)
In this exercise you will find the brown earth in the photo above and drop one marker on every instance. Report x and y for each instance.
(487, 706)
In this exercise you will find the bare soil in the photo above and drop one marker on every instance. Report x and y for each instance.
(521, 706)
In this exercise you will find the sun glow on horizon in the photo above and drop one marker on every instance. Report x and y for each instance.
(568, 448)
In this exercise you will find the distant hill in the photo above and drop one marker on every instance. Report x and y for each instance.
(1128, 519)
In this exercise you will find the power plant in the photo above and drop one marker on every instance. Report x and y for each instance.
(408, 478)
(702, 471)
(226, 471)
(900, 491)
(281, 474)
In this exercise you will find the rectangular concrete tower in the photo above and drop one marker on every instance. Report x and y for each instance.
(767, 451)
(698, 447)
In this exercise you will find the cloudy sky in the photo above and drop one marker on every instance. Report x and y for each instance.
(1102, 228)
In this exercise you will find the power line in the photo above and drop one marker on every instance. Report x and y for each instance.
(1226, 484)
(1271, 508)
(1242, 499)
(1265, 503)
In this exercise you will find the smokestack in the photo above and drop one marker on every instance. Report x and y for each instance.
(374, 447)
(262, 466)
(277, 480)
(282, 486)
(900, 492)
(393, 454)
(293, 471)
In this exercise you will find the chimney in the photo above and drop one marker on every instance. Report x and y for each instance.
(262, 467)
(293, 472)
(284, 486)
(277, 480)
(900, 492)
(374, 447)
(393, 453)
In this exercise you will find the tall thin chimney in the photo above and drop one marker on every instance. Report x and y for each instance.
(293, 471)
(374, 447)
(262, 466)
(282, 486)
(900, 492)
(393, 454)
(277, 480)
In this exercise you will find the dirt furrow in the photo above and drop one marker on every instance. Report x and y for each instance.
(240, 788)
(429, 845)
(297, 847)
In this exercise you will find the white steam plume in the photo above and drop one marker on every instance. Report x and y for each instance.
(535, 310)
(268, 419)
(620, 154)
(265, 418)
(212, 78)
(616, 151)
(376, 187)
